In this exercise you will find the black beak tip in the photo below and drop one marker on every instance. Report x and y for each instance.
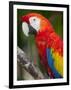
(32, 30)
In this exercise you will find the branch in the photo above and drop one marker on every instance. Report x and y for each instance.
(28, 65)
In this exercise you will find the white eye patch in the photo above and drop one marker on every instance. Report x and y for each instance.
(25, 28)
(35, 23)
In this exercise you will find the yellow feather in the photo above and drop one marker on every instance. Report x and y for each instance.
(58, 61)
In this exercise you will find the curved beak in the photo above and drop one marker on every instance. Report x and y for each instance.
(25, 28)
(32, 30)
(28, 29)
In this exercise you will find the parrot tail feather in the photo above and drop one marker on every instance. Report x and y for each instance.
(51, 75)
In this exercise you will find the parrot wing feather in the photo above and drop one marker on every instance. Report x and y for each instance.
(58, 61)
(51, 63)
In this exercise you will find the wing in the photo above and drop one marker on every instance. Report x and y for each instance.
(55, 63)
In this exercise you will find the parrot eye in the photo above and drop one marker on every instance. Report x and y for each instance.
(34, 19)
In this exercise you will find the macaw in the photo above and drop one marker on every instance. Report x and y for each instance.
(49, 44)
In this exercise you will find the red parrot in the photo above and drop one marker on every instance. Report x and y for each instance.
(49, 44)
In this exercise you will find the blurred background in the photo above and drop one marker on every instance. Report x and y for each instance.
(27, 44)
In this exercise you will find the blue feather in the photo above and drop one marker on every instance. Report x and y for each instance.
(51, 63)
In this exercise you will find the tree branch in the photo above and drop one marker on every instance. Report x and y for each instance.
(28, 65)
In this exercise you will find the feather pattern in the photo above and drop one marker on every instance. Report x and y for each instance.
(51, 63)
(58, 61)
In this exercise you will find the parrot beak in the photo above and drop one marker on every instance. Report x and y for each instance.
(28, 29)
(32, 31)
(25, 29)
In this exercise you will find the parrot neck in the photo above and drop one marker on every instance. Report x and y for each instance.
(46, 26)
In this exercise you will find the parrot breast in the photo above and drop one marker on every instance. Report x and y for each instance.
(41, 45)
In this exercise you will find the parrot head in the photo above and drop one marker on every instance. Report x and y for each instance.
(33, 23)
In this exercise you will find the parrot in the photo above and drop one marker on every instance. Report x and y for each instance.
(49, 44)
